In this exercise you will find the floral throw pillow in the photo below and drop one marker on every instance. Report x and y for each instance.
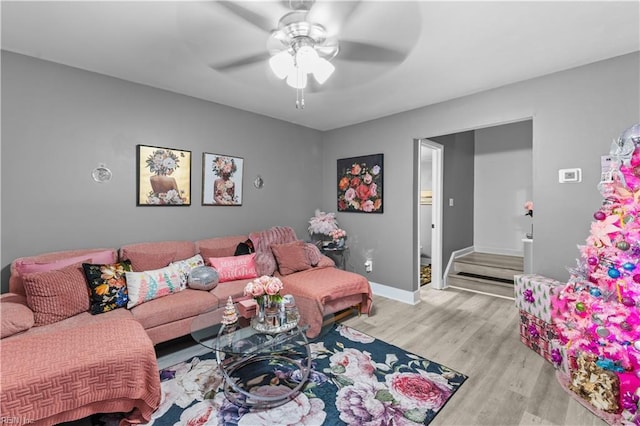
(107, 286)
(149, 285)
(186, 266)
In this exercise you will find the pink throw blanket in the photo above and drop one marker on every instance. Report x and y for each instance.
(319, 291)
(49, 378)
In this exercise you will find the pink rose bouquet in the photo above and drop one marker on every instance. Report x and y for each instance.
(336, 234)
(264, 286)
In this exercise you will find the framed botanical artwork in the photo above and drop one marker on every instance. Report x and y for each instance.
(360, 184)
(221, 180)
(164, 176)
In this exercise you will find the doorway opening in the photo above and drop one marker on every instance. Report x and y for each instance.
(429, 212)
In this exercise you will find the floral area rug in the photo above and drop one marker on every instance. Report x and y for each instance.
(355, 380)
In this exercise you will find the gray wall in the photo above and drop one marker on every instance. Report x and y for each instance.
(59, 123)
(457, 184)
(576, 114)
(503, 183)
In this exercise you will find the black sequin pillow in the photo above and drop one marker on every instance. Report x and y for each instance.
(107, 285)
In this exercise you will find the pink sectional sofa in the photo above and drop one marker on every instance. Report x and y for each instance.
(61, 363)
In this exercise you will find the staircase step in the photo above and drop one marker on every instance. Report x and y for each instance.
(490, 265)
(481, 285)
(485, 270)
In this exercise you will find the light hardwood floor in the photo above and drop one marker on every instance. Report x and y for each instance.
(477, 335)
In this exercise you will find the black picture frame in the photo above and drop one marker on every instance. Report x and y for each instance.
(360, 184)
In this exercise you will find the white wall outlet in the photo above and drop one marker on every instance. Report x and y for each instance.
(570, 175)
(368, 265)
(450, 202)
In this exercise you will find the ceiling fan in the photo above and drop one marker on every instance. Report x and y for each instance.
(305, 40)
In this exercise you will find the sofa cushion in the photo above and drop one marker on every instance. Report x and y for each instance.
(156, 255)
(219, 246)
(55, 260)
(107, 285)
(235, 289)
(56, 295)
(291, 257)
(234, 267)
(144, 261)
(186, 304)
(14, 318)
(150, 285)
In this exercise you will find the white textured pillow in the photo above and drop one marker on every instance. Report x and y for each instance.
(149, 285)
(186, 266)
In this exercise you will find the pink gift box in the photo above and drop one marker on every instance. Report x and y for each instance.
(247, 308)
(536, 334)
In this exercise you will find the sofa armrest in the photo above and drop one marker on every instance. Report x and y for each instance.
(15, 315)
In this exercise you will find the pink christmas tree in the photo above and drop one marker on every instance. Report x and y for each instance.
(598, 312)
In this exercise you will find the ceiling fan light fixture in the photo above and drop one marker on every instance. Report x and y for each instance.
(297, 79)
(323, 70)
(282, 64)
(306, 58)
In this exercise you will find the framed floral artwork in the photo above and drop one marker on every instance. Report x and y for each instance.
(164, 176)
(221, 180)
(360, 184)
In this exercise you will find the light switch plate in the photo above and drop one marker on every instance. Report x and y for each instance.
(570, 175)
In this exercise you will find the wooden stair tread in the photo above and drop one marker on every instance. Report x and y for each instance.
(515, 263)
(486, 273)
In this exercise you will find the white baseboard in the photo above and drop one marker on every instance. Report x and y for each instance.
(409, 297)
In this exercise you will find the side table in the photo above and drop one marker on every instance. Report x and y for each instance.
(338, 254)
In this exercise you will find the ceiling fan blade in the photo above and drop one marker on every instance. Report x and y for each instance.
(250, 16)
(332, 14)
(238, 63)
(357, 51)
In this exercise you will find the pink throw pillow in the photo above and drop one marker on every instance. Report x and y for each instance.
(15, 318)
(26, 266)
(233, 268)
(291, 257)
(57, 295)
(313, 253)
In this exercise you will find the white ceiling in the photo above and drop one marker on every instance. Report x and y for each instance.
(453, 49)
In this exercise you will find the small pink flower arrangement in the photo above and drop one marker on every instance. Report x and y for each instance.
(336, 234)
(264, 286)
(528, 206)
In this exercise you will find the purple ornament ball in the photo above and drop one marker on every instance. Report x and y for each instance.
(599, 215)
(636, 278)
(592, 260)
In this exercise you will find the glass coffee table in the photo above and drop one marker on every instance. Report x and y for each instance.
(251, 361)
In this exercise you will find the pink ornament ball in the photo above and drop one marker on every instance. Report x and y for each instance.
(636, 278)
(599, 215)
(592, 260)
(627, 301)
